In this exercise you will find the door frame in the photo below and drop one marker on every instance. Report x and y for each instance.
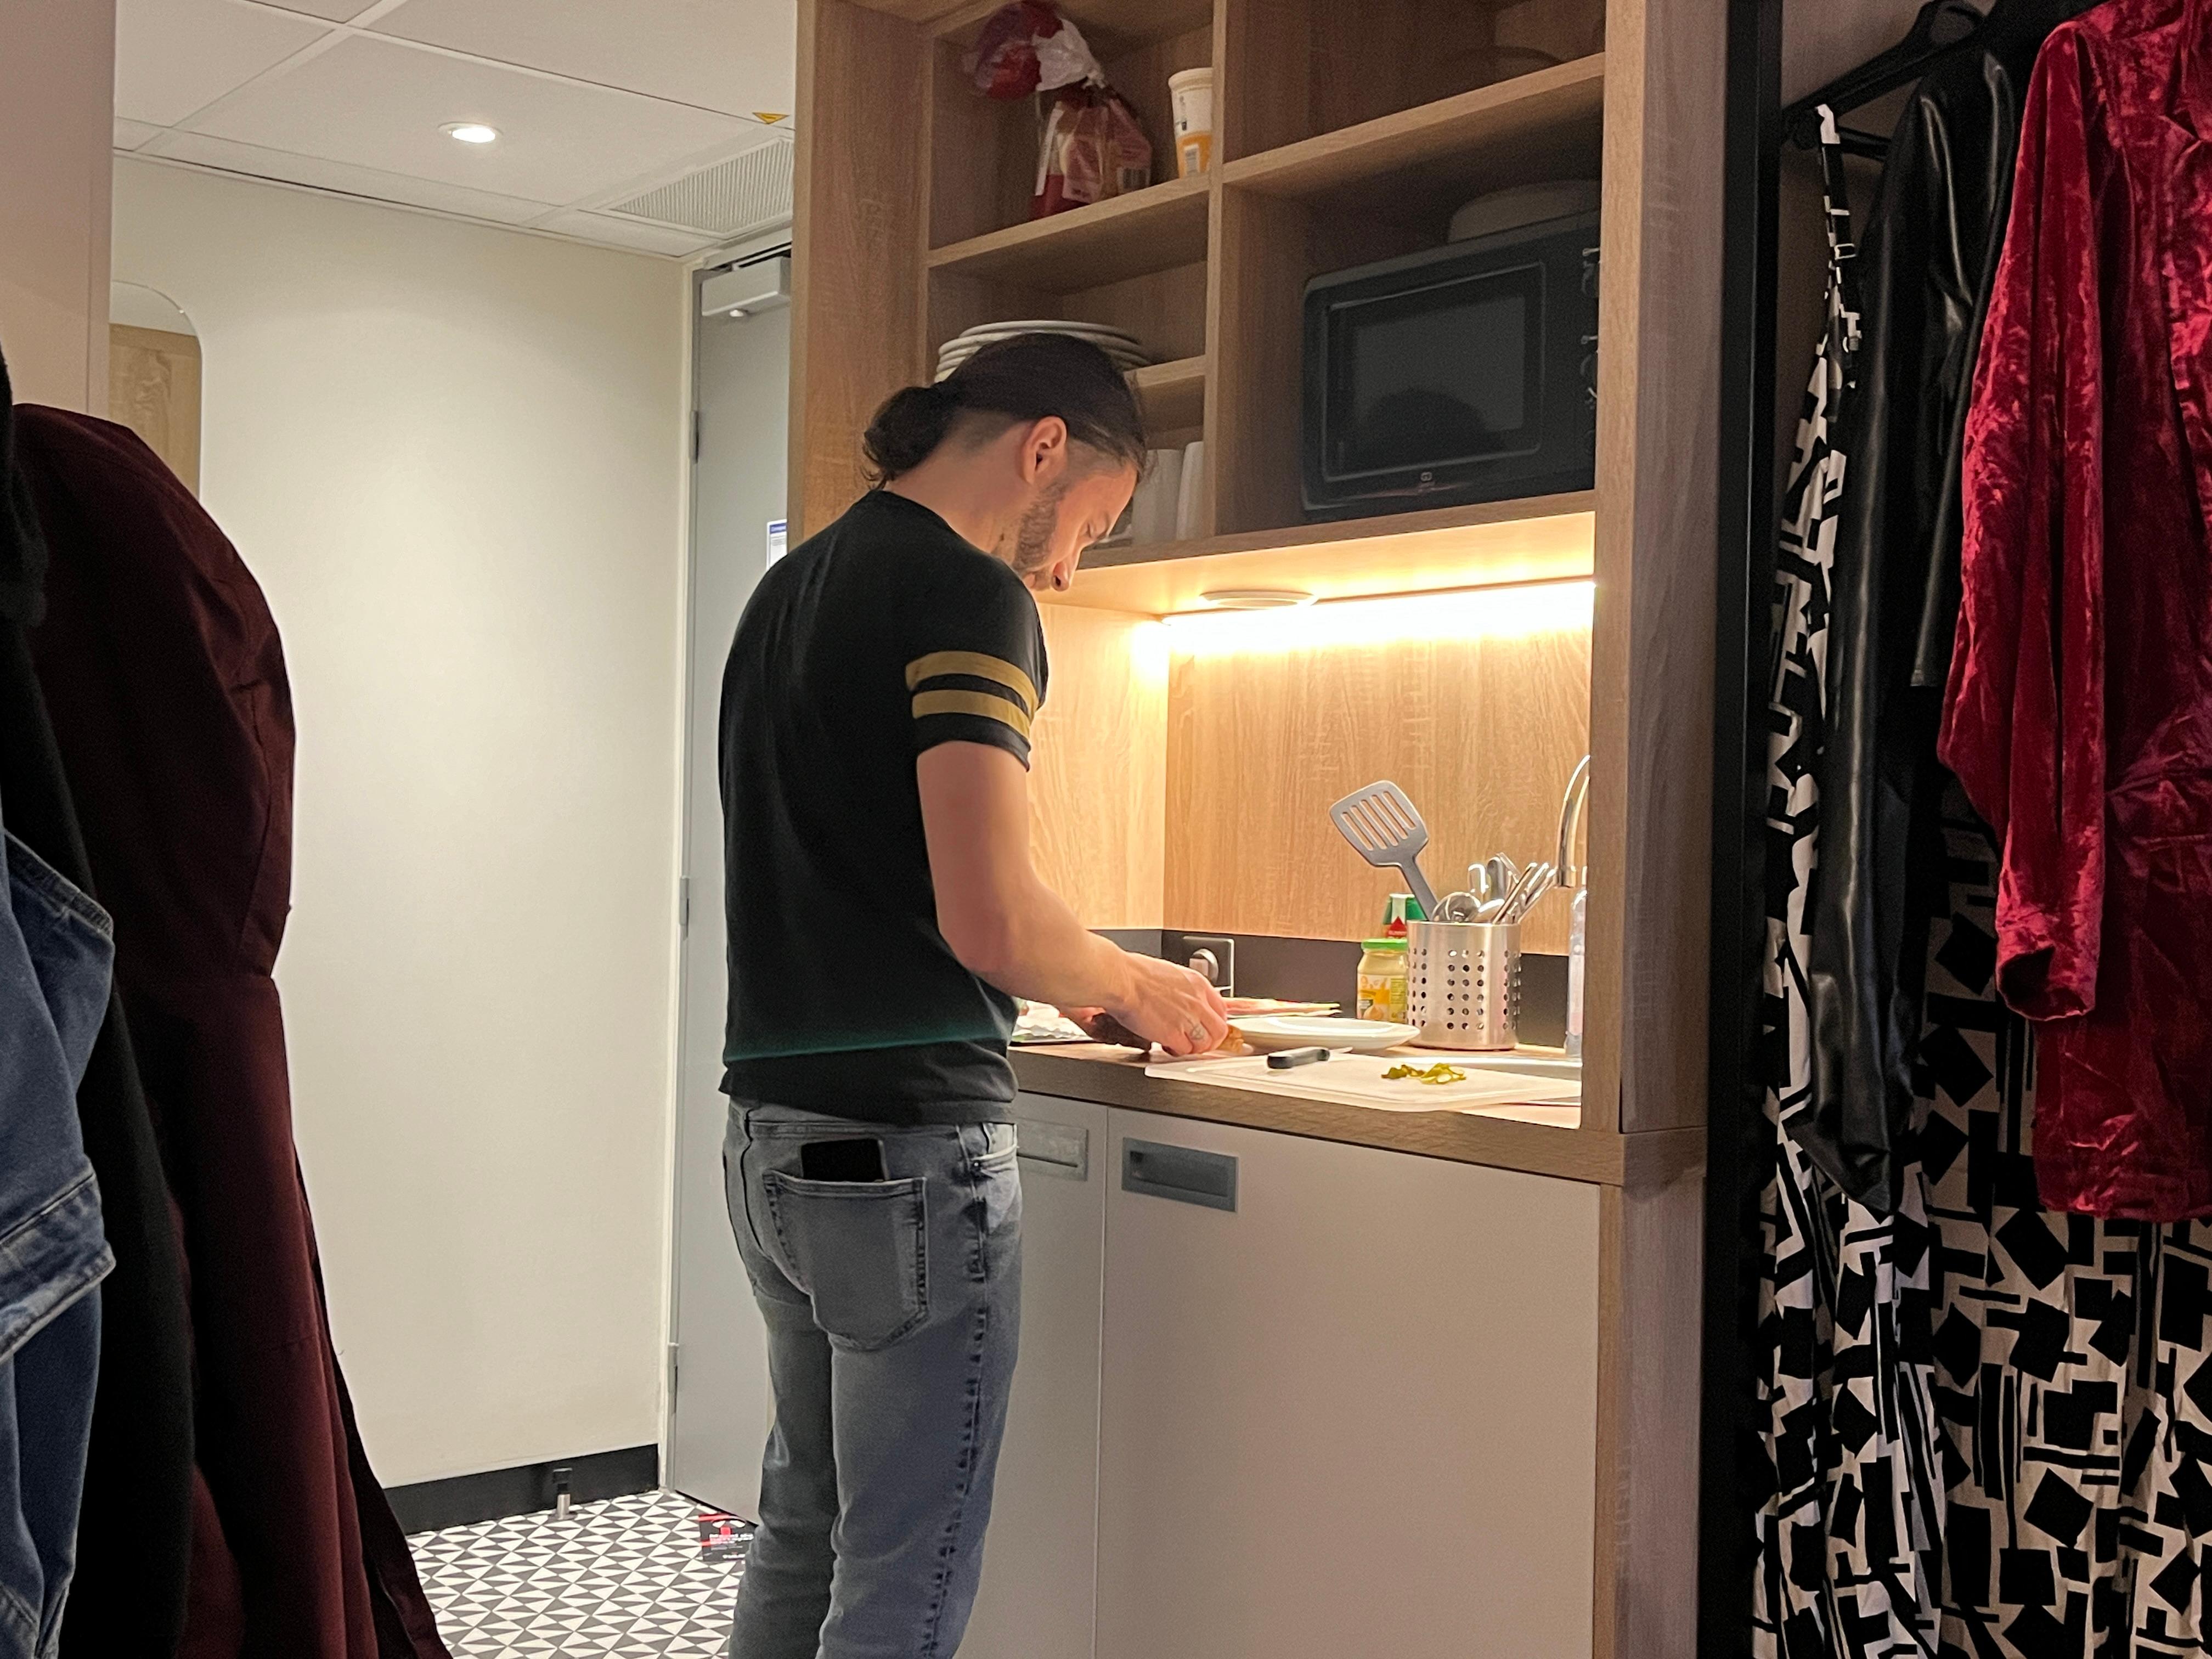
(696, 272)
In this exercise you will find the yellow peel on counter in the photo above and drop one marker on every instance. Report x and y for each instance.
(1439, 1073)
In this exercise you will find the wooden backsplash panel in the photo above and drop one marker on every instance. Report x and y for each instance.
(1483, 733)
(1097, 789)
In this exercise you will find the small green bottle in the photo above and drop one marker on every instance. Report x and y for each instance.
(1399, 909)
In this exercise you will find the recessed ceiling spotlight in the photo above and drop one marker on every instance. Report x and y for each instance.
(470, 132)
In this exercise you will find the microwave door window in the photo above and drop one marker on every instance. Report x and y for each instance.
(1437, 377)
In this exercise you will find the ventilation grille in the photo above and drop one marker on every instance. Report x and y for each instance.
(748, 193)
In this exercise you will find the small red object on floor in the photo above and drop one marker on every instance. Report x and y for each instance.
(721, 1537)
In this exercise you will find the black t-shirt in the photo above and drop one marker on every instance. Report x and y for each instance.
(881, 637)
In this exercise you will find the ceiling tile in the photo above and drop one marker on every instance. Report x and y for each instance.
(256, 162)
(605, 228)
(732, 55)
(129, 135)
(174, 57)
(376, 103)
(337, 11)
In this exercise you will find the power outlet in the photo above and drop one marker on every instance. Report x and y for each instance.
(1198, 949)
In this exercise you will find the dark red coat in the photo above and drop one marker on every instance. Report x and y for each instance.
(163, 669)
(2079, 712)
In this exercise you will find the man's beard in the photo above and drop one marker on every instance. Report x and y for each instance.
(1031, 539)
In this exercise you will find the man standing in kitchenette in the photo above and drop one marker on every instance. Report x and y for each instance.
(884, 914)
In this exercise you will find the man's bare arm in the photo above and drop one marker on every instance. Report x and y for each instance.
(1006, 926)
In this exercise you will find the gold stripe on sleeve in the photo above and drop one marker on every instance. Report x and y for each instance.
(975, 665)
(991, 706)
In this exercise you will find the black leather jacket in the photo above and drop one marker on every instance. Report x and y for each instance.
(1927, 259)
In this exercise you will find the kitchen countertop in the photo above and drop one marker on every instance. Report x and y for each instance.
(1491, 1136)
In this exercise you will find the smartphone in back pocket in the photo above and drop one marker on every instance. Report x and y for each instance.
(856, 1159)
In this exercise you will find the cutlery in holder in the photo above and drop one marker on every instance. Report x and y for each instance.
(1463, 983)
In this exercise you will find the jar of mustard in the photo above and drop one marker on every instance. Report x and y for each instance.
(1383, 981)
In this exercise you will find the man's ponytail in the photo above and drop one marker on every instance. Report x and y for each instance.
(1019, 381)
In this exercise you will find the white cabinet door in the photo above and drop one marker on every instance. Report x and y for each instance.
(1040, 1558)
(1353, 1415)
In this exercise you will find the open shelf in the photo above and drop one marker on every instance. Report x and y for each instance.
(1444, 152)
(1113, 27)
(982, 152)
(1347, 198)
(1110, 242)
(1300, 69)
(1496, 543)
(1172, 396)
(1136, 262)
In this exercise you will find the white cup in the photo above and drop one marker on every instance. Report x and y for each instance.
(1191, 497)
(1152, 513)
(1191, 92)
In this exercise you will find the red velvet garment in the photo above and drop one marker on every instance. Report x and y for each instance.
(2079, 712)
(165, 676)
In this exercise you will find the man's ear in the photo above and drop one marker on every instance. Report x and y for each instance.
(1044, 449)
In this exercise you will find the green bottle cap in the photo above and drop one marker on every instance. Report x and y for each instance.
(1399, 909)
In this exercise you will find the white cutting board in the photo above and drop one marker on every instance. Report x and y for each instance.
(1358, 1080)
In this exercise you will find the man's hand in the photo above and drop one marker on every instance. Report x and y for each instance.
(1173, 1006)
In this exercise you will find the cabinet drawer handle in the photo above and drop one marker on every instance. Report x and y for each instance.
(1057, 1149)
(1182, 1173)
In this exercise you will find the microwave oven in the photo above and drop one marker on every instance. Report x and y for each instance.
(1465, 373)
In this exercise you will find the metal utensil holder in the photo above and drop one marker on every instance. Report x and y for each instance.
(1463, 983)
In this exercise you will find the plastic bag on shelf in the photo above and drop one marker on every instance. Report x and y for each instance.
(1094, 147)
(1028, 47)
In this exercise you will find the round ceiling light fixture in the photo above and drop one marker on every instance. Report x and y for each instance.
(1256, 598)
(470, 132)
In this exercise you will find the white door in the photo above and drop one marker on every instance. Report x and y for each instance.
(1349, 1403)
(722, 1410)
(1039, 1594)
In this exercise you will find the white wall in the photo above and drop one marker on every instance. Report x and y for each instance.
(454, 456)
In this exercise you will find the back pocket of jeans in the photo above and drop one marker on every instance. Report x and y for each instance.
(857, 1249)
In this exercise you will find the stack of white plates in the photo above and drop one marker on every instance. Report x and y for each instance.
(1117, 343)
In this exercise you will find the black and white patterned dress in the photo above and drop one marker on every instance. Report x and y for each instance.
(1986, 1424)
(1847, 1425)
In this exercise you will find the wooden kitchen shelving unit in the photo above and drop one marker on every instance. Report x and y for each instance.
(1134, 235)
(1345, 132)
(1172, 395)
(1496, 544)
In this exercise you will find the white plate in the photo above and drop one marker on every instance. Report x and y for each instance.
(1119, 348)
(1270, 1033)
(1106, 342)
(1044, 326)
(1126, 365)
(1111, 347)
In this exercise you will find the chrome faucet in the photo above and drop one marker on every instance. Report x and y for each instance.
(1571, 875)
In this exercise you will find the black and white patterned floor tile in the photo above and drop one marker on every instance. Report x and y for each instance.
(621, 1579)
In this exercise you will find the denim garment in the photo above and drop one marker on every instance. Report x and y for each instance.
(45, 1428)
(55, 953)
(56, 949)
(894, 1312)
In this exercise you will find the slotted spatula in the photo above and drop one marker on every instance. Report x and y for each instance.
(1385, 829)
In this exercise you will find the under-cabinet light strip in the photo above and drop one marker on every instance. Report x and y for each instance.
(1506, 612)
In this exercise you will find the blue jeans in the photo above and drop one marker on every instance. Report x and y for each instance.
(894, 1312)
(56, 950)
